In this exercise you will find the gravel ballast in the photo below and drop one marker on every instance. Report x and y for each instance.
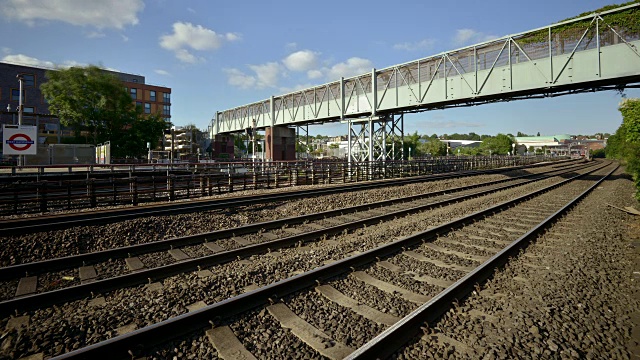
(573, 293)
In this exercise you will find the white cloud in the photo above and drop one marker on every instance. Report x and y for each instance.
(100, 14)
(267, 74)
(232, 36)
(239, 79)
(124, 38)
(468, 36)
(6, 50)
(196, 37)
(191, 10)
(264, 75)
(187, 36)
(291, 46)
(27, 60)
(302, 60)
(186, 57)
(425, 44)
(353, 66)
(95, 35)
(31, 61)
(295, 88)
(314, 74)
(162, 72)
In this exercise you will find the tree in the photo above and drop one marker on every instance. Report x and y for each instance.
(500, 144)
(412, 142)
(90, 100)
(434, 147)
(133, 141)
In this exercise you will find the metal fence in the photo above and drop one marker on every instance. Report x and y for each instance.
(117, 185)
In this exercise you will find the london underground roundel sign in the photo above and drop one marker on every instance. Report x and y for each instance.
(19, 140)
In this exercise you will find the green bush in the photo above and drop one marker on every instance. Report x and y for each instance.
(624, 145)
(599, 153)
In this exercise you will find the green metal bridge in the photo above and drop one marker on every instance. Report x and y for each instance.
(590, 53)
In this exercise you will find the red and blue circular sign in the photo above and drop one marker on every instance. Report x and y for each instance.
(20, 142)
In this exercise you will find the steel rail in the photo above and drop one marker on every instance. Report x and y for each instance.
(127, 345)
(70, 293)
(100, 217)
(67, 262)
(390, 340)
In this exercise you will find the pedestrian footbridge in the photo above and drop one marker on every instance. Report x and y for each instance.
(595, 52)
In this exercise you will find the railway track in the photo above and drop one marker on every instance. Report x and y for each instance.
(27, 225)
(454, 250)
(559, 298)
(101, 271)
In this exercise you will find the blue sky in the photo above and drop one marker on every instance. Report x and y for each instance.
(217, 55)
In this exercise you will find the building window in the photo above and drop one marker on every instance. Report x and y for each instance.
(134, 80)
(15, 95)
(28, 79)
(134, 93)
(166, 97)
(166, 110)
(28, 110)
(138, 103)
(147, 108)
(152, 95)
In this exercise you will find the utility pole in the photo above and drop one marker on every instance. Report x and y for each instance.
(20, 108)
(173, 142)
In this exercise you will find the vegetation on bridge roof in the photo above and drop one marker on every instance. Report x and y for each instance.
(628, 19)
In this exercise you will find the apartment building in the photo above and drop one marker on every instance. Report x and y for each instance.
(151, 98)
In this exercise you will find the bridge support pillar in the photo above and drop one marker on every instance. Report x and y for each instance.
(222, 146)
(376, 138)
(280, 143)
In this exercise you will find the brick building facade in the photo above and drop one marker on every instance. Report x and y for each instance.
(152, 99)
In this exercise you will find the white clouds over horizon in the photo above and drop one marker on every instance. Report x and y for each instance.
(187, 37)
(22, 59)
(305, 62)
(469, 36)
(114, 14)
(425, 44)
(353, 66)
